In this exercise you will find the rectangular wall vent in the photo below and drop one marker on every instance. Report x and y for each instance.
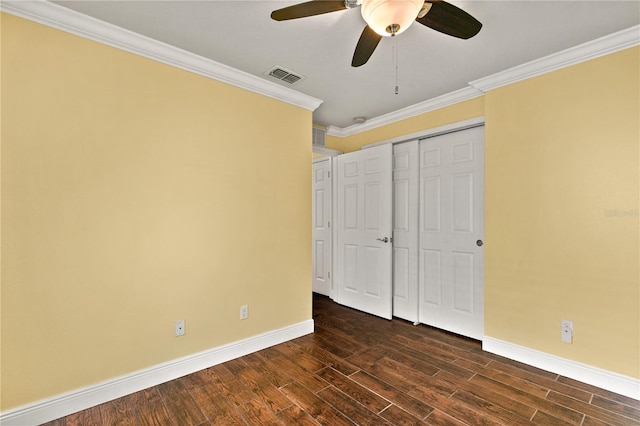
(284, 75)
(318, 136)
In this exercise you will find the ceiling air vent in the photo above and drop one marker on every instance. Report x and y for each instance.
(284, 75)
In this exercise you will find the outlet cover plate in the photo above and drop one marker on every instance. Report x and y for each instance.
(180, 329)
(566, 331)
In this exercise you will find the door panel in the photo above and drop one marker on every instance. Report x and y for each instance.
(372, 206)
(321, 211)
(319, 269)
(350, 262)
(373, 280)
(451, 220)
(363, 269)
(431, 209)
(431, 275)
(350, 205)
(405, 230)
(400, 275)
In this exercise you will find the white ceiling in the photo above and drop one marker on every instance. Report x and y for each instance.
(241, 34)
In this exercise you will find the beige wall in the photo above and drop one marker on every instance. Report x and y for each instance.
(135, 194)
(562, 155)
(561, 209)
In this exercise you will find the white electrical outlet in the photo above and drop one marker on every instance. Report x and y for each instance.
(566, 333)
(180, 329)
(244, 312)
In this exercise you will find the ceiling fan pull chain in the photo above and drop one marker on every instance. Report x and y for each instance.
(395, 59)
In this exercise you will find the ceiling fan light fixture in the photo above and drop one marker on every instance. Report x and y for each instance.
(390, 17)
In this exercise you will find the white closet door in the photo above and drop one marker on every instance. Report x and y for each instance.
(405, 230)
(321, 217)
(364, 212)
(451, 232)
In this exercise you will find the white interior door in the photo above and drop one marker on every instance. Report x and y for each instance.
(405, 230)
(364, 211)
(321, 218)
(451, 232)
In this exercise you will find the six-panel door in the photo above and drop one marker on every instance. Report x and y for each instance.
(364, 208)
(451, 224)
(321, 218)
(405, 230)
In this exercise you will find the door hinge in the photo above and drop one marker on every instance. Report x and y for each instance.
(328, 275)
(329, 224)
(329, 174)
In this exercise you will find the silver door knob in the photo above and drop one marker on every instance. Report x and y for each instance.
(479, 243)
(384, 240)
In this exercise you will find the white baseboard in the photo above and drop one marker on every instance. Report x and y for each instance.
(81, 399)
(614, 382)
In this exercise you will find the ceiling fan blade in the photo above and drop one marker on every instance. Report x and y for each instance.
(450, 19)
(367, 43)
(310, 8)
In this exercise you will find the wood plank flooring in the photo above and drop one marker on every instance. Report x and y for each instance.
(359, 369)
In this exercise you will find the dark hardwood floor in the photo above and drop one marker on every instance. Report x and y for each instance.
(359, 369)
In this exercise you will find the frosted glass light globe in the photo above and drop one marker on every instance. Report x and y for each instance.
(390, 17)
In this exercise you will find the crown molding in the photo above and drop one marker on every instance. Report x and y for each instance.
(581, 53)
(64, 19)
(590, 50)
(61, 18)
(326, 151)
(404, 113)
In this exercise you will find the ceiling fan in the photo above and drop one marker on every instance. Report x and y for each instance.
(389, 18)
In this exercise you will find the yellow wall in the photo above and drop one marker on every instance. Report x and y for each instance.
(135, 194)
(333, 142)
(561, 159)
(561, 209)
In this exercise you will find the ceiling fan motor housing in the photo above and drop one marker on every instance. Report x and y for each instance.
(390, 17)
(350, 4)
